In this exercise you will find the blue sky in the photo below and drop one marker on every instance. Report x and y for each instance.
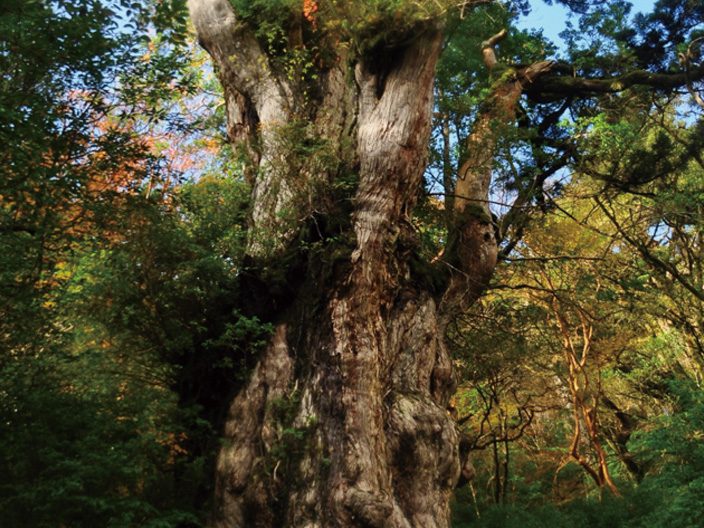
(551, 19)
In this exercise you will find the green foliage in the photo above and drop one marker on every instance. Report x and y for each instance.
(92, 432)
(629, 358)
(270, 12)
(660, 502)
(293, 440)
(673, 450)
(168, 283)
(68, 109)
(359, 26)
(113, 420)
(672, 23)
(373, 23)
(462, 78)
(82, 443)
(602, 28)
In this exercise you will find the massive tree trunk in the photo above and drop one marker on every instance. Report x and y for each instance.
(343, 421)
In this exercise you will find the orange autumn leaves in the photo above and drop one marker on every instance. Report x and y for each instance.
(310, 7)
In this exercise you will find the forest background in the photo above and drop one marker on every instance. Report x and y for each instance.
(125, 226)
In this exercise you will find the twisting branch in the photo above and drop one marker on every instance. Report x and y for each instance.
(555, 87)
(488, 51)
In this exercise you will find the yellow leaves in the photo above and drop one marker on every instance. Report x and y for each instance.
(63, 271)
(566, 233)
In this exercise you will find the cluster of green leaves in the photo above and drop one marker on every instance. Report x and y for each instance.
(292, 440)
(83, 442)
(670, 495)
(112, 417)
(70, 80)
(388, 23)
(167, 283)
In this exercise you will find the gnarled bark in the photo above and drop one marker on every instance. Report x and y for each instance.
(343, 422)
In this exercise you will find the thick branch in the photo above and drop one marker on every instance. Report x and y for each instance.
(488, 52)
(241, 62)
(474, 243)
(554, 87)
(259, 103)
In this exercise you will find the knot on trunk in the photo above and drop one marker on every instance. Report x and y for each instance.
(474, 251)
(417, 426)
(468, 471)
(372, 510)
(477, 252)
